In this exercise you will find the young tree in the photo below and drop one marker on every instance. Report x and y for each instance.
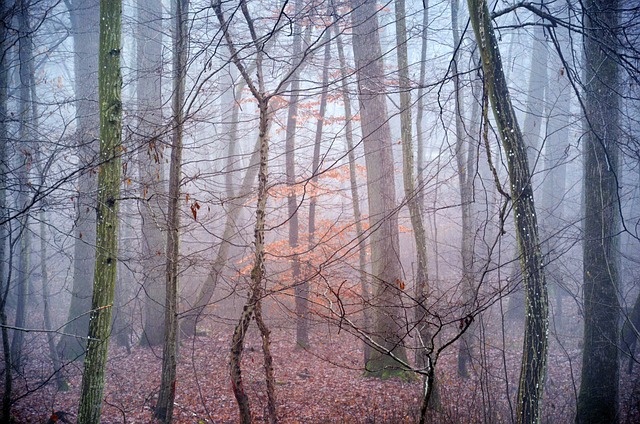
(5, 17)
(383, 215)
(110, 86)
(534, 357)
(598, 396)
(164, 407)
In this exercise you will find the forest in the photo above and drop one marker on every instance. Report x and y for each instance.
(320, 211)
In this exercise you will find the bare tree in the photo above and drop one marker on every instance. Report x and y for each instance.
(110, 86)
(534, 357)
(598, 397)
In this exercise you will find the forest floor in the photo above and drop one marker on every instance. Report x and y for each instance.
(323, 384)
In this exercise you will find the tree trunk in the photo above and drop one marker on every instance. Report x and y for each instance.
(383, 217)
(558, 101)
(465, 162)
(253, 305)
(152, 175)
(425, 340)
(302, 331)
(164, 406)
(367, 320)
(85, 24)
(534, 358)
(598, 396)
(23, 163)
(110, 86)
(4, 280)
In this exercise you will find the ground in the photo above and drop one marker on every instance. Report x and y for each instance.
(323, 384)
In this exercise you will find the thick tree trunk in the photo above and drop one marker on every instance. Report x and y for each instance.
(85, 25)
(110, 86)
(367, 319)
(534, 357)
(598, 396)
(164, 406)
(389, 324)
(152, 174)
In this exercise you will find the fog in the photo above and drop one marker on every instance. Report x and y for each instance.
(359, 212)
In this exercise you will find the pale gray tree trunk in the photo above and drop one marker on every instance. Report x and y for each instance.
(302, 331)
(85, 24)
(152, 175)
(389, 326)
(598, 396)
(23, 163)
(355, 197)
(466, 166)
(110, 86)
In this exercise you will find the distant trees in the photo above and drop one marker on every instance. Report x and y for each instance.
(85, 24)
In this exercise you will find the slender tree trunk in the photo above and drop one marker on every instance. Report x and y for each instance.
(152, 174)
(253, 305)
(302, 332)
(420, 110)
(164, 408)
(465, 162)
(110, 86)
(558, 101)
(367, 319)
(598, 396)
(23, 164)
(61, 383)
(5, 18)
(425, 339)
(534, 357)
(85, 25)
(389, 325)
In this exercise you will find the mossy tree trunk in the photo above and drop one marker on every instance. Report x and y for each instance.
(109, 91)
(534, 356)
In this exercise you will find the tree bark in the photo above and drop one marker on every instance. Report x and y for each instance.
(164, 407)
(534, 357)
(598, 396)
(23, 163)
(302, 331)
(383, 216)
(110, 86)
(367, 319)
(5, 16)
